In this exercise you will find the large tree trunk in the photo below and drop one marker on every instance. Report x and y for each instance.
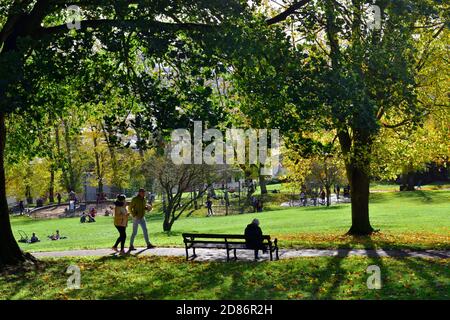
(51, 188)
(70, 169)
(167, 225)
(10, 253)
(357, 163)
(359, 191)
(98, 167)
(263, 184)
(328, 192)
(408, 179)
(28, 194)
(116, 184)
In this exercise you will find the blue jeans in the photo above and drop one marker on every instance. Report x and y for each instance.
(139, 222)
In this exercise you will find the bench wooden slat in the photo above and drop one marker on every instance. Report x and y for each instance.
(219, 245)
(222, 236)
(198, 240)
(205, 241)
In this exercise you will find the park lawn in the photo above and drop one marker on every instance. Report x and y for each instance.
(154, 277)
(416, 220)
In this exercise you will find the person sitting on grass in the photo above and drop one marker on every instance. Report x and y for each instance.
(91, 217)
(34, 238)
(108, 211)
(92, 212)
(254, 237)
(55, 236)
(83, 217)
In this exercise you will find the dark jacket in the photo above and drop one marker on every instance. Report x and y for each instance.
(253, 236)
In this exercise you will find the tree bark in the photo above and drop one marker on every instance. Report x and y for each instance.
(51, 188)
(328, 194)
(28, 194)
(263, 184)
(10, 253)
(70, 169)
(359, 192)
(357, 165)
(167, 225)
(98, 167)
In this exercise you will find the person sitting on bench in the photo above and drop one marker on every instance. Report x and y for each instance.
(253, 237)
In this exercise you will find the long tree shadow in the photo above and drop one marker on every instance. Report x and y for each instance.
(426, 269)
(375, 259)
(215, 274)
(332, 273)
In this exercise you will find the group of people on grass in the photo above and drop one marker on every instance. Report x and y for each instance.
(88, 217)
(320, 197)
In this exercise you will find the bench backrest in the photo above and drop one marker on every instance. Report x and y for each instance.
(194, 236)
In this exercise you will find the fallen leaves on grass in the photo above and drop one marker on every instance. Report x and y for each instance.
(377, 240)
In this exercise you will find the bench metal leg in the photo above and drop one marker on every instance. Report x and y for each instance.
(271, 256)
(276, 253)
(187, 254)
(235, 258)
(194, 253)
(228, 254)
(256, 255)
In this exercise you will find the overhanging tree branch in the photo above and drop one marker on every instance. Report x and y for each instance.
(285, 14)
(125, 24)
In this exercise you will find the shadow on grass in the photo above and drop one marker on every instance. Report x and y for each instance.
(325, 208)
(132, 277)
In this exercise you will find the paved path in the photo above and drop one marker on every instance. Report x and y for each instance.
(246, 255)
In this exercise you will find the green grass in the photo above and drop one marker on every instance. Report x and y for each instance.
(173, 278)
(407, 219)
(388, 186)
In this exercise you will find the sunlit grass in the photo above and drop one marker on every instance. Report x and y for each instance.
(173, 278)
(407, 219)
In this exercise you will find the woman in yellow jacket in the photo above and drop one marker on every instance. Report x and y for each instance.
(120, 222)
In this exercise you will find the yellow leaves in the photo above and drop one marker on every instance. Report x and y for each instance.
(377, 240)
(280, 287)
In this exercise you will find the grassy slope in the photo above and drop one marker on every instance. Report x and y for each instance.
(412, 219)
(173, 278)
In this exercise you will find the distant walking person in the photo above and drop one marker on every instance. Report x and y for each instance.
(58, 196)
(259, 205)
(209, 207)
(21, 207)
(322, 196)
(120, 222)
(137, 208)
(254, 237)
(303, 199)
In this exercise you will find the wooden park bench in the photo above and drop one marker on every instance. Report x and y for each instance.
(225, 241)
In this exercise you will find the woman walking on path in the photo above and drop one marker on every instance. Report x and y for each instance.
(120, 222)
